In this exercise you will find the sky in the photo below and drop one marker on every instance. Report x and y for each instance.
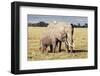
(48, 18)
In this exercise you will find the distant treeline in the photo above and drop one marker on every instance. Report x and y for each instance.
(43, 24)
(80, 26)
(40, 24)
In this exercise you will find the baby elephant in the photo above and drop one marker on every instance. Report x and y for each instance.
(45, 41)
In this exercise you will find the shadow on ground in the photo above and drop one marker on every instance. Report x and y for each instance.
(74, 51)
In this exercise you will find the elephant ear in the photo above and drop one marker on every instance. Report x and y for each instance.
(59, 33)
(59, 36)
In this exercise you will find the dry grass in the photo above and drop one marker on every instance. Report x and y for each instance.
(80, 40)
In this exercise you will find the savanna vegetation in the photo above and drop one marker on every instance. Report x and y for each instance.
(80, 49)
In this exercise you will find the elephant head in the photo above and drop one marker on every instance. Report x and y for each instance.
(69, 30)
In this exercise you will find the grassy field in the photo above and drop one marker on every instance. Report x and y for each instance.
(80, 49)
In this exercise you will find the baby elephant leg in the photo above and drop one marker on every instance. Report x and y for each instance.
(45, 49)
(54, 47)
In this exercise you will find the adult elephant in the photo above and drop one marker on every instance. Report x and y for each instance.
(62, 32)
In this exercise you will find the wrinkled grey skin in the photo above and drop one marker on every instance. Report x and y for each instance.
(63, 32)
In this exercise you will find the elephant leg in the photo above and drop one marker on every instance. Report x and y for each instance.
(68, 49)
(54, 44)
(60, 46)
(46, 49)
(43, 49)
(57, 44)
(54, 47)
(51, 48)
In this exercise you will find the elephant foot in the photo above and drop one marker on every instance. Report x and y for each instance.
(50, 51)
(70, 51)
(54, 52)
(60, 50)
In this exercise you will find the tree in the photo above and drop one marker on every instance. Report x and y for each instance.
(79, 25)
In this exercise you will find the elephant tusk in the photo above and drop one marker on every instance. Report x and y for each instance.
(73, 44)
(70, 44)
